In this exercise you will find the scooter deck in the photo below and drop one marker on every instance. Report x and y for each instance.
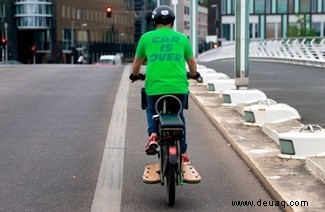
(190, 174)
(151, 174)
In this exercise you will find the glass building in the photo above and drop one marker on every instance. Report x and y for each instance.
(32, 14)
(33, 21)
(271, 19)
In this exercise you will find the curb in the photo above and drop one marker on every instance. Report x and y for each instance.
(312, 164)
(286, 180)
(241, 153)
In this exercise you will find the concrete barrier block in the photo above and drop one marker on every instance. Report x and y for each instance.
(305, 142)
(234, 97)
(221, 84)
(269, 111)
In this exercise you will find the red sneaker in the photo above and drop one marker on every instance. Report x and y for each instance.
(185, 159)
(152, 143)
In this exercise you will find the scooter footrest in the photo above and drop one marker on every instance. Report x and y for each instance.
(151, 174)
(190, 174)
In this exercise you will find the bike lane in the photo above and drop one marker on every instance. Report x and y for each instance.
(225, 177)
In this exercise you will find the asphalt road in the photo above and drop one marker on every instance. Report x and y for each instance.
(53, 128)
(301, 87)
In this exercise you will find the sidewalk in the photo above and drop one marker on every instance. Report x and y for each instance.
(286, 179)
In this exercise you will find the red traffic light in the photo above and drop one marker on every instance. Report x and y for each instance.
(109, 12)
(33, 48)
(3, 41)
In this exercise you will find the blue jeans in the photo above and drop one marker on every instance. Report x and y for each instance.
(152, 125)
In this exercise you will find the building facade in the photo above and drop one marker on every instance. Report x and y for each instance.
(83, 27)
(273, 19)
(183, 18)
(58, 31)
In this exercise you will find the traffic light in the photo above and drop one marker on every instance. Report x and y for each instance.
(33, 49)
(3, 41)
(109, 12)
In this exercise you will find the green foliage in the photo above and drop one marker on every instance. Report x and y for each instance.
(300, 30)
(203, 2)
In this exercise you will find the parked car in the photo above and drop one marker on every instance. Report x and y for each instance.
(109, 60)
(10, 62)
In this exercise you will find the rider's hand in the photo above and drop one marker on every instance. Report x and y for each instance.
(196, 77)
(142, 76)
(134, 78)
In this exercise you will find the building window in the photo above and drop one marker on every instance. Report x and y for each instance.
(282, 6)
(228, 10)
(270, 30)
(274, 6)
(305, 6)
(33, 14)
(186, 25)
(316, 28)
(268, 6)
(290, 6)
(66, 39)
(223, 7)
(226, 31)
(68, 12)
(313, 6)
(43, 42)
(63, 11)
(259, 6)
(254, 31)
(257, 30)
(186, 10)
(73, 13)
(233, 7)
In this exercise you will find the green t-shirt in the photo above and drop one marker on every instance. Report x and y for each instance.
(166, 52)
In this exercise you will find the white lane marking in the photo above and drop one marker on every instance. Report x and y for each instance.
(108, 192)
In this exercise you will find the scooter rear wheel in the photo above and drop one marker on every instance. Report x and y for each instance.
(171, 184)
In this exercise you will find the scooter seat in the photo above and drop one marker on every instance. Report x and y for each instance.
(171, 120)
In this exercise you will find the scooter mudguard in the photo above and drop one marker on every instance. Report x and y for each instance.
(172, 155)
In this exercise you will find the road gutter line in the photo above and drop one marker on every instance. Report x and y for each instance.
(108, 193)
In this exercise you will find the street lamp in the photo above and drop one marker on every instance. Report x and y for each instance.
(72, 41)
(72, 34)
(216, 18)
(122, 36)
(83, 32)
(175, 3)
(84, 41)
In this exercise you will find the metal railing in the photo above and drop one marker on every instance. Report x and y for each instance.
(302, 51)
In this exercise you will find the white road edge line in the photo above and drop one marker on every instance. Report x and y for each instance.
(108, 193)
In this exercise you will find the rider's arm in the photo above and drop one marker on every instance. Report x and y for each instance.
(191, 66)
(137, 65)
